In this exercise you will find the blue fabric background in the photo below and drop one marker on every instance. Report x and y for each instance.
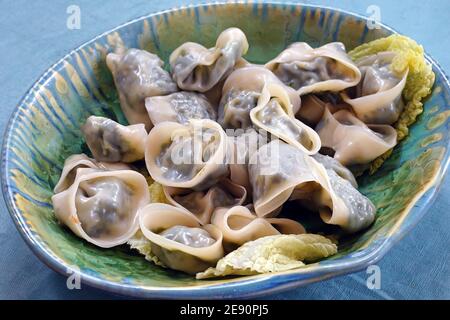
(34, 36)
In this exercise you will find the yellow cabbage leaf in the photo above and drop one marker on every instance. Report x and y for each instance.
(140, 243)
(272, 254)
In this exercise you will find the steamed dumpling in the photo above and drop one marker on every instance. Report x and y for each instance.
(203, 203)
(192, 237)
(193, 155)
(179, 107)
(313, 107)
(332, 164)
(275, 115)
(282, 172)
(196, 68)
(239, 225)
(307, 70)
(78, 161)
(178, 240)
(241, 92)
(101, 206)
(352, 140)
(138, 74)
(110, 141)
(242, 145)
(378, 97)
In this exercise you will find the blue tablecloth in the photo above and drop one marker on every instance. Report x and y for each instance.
(34, 35)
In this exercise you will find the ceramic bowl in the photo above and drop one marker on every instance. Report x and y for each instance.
(45, 129)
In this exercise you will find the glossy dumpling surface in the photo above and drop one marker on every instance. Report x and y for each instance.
(352, 140)
(202, 203)
(239, 225)
(240, 94)
(178, 239)
(332, 164)
(378, 97)
(79, 161)
(275, 115)
(187, 156)
(110, 141)
(101, 206)
(196, 68)
(327, 68)
(179, 107)
(138, 74)
(298, 177)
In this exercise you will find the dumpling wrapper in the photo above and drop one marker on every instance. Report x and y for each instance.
(275, 115)
(156, 218)
(78, 161)
(239, 225)
(138, 74)
(378, 97)
(196, 68)
(313, 107)
(283, 173)
(307, 70)
(419, 83)
(353, 141)
(202, 203)
(332, 164)
(240, 94)
(270, 254)
(102, 206)
(243, 144)
(179, 107)
(193, 155)
(110, 141)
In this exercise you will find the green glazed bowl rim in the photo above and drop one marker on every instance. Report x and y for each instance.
(240, 287)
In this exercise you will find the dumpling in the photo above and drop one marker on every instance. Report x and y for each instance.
(101, 206)
(239, 225)
(377, 99)
(193, 155)
(110, 141)
(242, 144)
(179, 107)
(313, 107)
(275, 115)
(360, 211)
(203, 203)
(353, 141)
(332, 164)
(178, 239)
(240, 94)
(77, 161)
(138, 74)
(196, 68)
(282, 172)
(308, 70)
(275, 170)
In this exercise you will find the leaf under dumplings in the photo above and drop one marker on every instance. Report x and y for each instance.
(157, 193)
(272, 254)
(418, 83)
(143, 246)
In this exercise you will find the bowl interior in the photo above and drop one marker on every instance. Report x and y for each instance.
(46, 129)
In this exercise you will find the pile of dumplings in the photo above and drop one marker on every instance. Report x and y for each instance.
(229, 143)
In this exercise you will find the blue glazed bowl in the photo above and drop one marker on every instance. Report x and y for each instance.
(45, 129)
